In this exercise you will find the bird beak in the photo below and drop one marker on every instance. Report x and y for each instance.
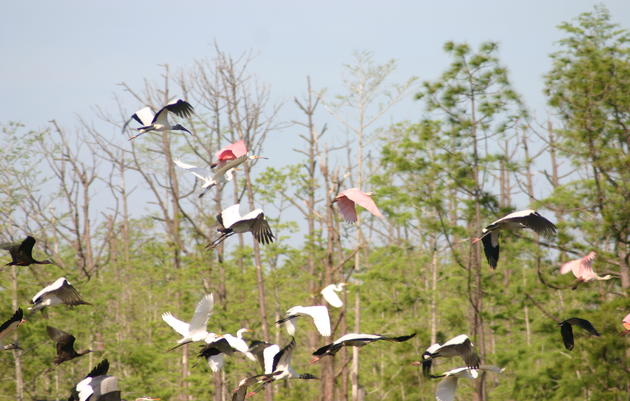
(259, 157)
(315, 359)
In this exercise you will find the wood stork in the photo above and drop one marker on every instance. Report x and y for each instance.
(218, 346)
(318, 313)
(8, 328)
(354, 340)
(64, 343)
(97, 386)
(196, 329)
(347, 199)
(456, 346)
(626, 325)
(515, 220)
(330, 294)
(231, 222)
(59, 292)
(582, 269)
(445, 390)
(151, 121)
(566, 330)
(257, 348)
(22, 253)
(240, 392)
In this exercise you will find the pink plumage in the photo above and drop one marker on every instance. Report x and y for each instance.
(626, 322)
(347, 199)
(582, 268)
(231, 152)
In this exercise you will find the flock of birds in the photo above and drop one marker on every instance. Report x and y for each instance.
(274, 361)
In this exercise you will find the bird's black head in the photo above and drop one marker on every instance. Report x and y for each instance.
(179, 127)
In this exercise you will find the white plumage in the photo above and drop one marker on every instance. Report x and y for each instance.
(196, 329)
(330, 294)
(59, 292)
(318, 313)
(159, 121)
(446, 388)
(231, 222)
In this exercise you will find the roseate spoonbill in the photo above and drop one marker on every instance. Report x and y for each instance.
(515, 220)
(330, 294)
(59, 292)
(64, 343)
(354, 340)
(347, 199)
(196, 329)
(445, 390)
(626, 325)
(566, 330)
(582, 269)
(7, 328)
(318, 313)
(159, 121)
(456, 346)
(22, 253)
(231, 222)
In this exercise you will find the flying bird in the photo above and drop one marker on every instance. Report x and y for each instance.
(231, 222)
(513, 221)
(257, 348)
(97, 386)
(196, 329)
(626, 325)
(582, 269)
(8, 328)
(159, 121)
(59, 292)
(456, 346)
(22, 253)
(566, 330)
(354, 340)
(218, 346)
(209, 178)
(319, 314)
(330, 294)
(347, 199)
(240, 392)
(445, 390)
(64, 343)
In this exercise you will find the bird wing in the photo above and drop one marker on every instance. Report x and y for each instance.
(282, 359)
(199, 172)
(232, 151)
(179, 107)
(461, 346)
(269, 354)
(230, 215)
(399, 339)
(60, 336)
(257, 348)
(26, 247)
(330, 295)
(538, 223)
(100, 369)
(68, 294)
(572, 266)
(585, 324)
(84, 388)
(51, 287)
(445, 390)
(567, 335)
(260, 228)
(320, 317)
(364, 200)
(203, 310)
(346, 208)
(491, 248)
(237, 343)
(215, 362)
(182, 328)
(10, 325)
(144, 116)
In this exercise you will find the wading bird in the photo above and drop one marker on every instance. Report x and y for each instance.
(231, 222)
(97, 386)
(240, 392)
(513, 221)
(582, 269)
(347, 199)
(196, 329)
(319, 314)
(445, 390)
(59, 292)
(218, 346)
(330, 294)
(64, 343)
(8, 328)
(456, 346)
(354, 340)
(566, 330)
(22, 253)
(626, 325)
(159, 121)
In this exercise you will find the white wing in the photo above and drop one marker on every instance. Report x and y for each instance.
(198, 172)
(237, 343)
(231, 215)
(320, 318)
(199, 320)
(145, 116)
(52, 287)
(84, 389)
(268, 354)
(445, 390)
(252, 215)
(182, 328)
(330, 295)
(460, 339)
(356, 336)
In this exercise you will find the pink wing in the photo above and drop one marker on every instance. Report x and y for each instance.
(231, 152)
(586, 267)
(572, 266)
(362, 199)
(626, 319)
(346, 208)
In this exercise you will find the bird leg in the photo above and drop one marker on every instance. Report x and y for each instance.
(217, 241)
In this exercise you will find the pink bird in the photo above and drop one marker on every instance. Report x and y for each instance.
(582, 269)
(230, 152)
(626, 325)
(347, 199)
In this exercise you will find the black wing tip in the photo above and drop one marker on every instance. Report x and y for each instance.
(404, 338)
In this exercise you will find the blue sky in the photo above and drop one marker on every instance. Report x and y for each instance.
(60, 58)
